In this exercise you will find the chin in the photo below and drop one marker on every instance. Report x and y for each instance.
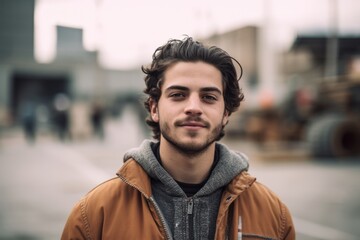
(193, 146)
(188, 143)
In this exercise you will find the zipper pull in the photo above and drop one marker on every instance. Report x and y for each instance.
(190, 206)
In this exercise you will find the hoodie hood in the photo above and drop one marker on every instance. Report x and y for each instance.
(230, 164)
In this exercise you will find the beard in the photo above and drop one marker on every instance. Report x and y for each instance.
(191, 148)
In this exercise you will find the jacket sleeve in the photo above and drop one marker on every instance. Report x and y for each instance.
(288, 229)
(76, 226)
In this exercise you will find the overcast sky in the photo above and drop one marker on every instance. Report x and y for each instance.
(126, 32)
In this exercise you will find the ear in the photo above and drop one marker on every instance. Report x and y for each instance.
(226, 118)
(154, 111)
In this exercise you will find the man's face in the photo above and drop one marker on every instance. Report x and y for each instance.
(191, 110)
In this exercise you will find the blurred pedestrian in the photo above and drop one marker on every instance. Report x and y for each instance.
(62, 106)
(28, 119)
(184, 184)
(97, 120)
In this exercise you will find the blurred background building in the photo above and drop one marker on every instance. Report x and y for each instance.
(74, 73)
(308, 98)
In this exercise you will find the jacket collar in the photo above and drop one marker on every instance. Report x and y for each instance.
(134, 175)
(240, 183)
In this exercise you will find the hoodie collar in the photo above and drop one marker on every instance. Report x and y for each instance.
(229, 166)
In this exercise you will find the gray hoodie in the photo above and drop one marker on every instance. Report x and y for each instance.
(189, 217)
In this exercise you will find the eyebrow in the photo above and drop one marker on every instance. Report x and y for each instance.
(204, 89)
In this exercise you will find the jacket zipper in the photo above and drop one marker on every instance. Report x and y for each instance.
(157, 209)
(190, 210)
(190, 206)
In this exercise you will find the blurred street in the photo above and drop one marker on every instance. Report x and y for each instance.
(40, 183)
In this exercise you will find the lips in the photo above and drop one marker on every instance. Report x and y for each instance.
(192, 123)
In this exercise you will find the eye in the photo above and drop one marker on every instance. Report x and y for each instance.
(177, 95)
(209, 98)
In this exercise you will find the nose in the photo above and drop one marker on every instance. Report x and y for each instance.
(193, 105)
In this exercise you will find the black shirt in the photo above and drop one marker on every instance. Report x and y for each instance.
(189, 188)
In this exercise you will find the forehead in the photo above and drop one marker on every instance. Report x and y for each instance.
(193, 74)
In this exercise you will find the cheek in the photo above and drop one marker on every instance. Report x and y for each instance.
(168, 112)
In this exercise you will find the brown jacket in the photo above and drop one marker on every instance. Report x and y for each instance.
(122, 208)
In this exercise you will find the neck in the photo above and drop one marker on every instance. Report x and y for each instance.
(187, 167)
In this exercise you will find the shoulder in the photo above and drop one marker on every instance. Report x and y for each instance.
(130, 178)
(261, 191)
(94, 205)
(131, 182)
(105, 191)
(261, 198)
(86, 217)
(262, 207)
(247, 187)
(110, 202)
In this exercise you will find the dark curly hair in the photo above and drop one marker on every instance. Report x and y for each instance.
(189, 50)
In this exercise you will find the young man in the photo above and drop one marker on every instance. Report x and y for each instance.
(184, 185)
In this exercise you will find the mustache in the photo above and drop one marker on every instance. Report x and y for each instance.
(188, 120)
